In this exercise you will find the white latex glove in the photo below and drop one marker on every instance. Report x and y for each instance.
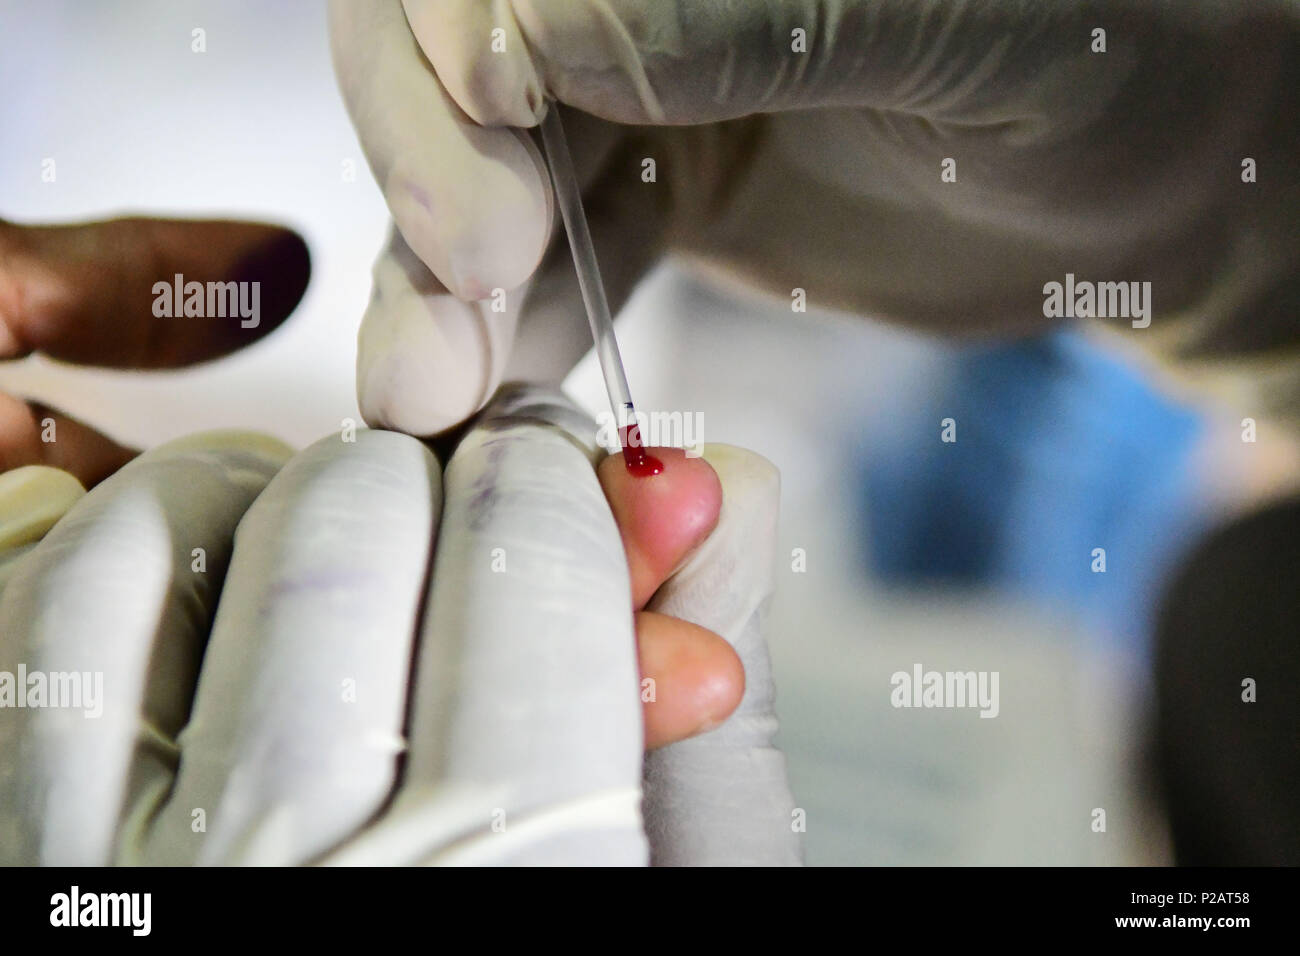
(255, 711)
(821, 170)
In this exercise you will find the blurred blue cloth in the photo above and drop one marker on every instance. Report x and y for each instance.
(1060, 449)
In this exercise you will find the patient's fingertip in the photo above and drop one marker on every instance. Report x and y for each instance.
(720, 689)
(281, 268)
(695, 678)
(662, 518)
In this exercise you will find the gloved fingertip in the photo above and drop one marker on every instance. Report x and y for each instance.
(257, 446)
(422, 388)
(32, 499)
(396, 394)
(426, 361)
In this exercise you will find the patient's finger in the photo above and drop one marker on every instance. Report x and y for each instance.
(34, 434)
(691, 679)
(661, 518)
(92, 293)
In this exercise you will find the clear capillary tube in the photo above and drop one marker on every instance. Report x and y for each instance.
(569, 198)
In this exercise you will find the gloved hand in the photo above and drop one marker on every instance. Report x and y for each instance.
(256, 638)
(88, 293)
(800, 145)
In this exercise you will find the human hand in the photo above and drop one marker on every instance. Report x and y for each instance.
(85, 294)
(820, 170)
(278, 736)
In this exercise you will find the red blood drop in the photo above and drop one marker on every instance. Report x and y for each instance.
(638, 462)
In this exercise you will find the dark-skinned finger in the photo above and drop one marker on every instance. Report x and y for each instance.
(104, 293)
(33, 434)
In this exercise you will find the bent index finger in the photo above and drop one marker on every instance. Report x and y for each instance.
(120, 293)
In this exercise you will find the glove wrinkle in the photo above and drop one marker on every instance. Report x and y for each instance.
(722, 798)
